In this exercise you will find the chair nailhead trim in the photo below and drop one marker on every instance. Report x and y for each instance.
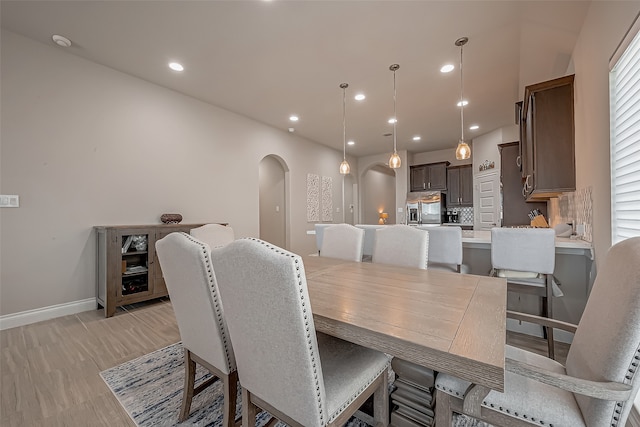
(632, 370)
(216, 300)
(493, 406)
(296, 260)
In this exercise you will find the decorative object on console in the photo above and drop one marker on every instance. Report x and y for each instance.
(394, 160)
(383, 218)
(344, 166)
(463, 151)
(171, 218)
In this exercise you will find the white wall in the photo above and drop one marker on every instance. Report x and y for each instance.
(272, 201)
(378, 194)
(86, 145)
(401, 182)
(604, 28)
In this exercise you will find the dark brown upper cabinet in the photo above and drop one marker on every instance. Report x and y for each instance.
(429, 177)
(460, 186)
(547, 144)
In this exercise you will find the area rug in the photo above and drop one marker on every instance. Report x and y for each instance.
(150, 387)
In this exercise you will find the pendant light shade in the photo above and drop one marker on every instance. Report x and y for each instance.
(394, 160)
(463, 151)
(344, 166)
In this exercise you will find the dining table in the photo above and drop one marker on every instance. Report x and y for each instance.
(448, 322)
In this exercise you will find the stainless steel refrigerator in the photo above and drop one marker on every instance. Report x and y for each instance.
(424, 208)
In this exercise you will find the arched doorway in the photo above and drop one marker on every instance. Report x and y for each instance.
(378, 194)
(273, 176)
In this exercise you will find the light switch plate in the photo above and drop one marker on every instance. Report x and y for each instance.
(9, 201)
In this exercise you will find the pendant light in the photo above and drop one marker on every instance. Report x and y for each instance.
(463, 151)
(394, 160)
(344, 166)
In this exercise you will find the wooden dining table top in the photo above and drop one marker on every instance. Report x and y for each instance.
(449, 322)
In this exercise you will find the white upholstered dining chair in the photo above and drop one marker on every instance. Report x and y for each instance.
(401, 245)
(342, 241)
(526, 258)
(214, 235)
(445, 248)
(299, 376)
(188, 273)
(597, 385)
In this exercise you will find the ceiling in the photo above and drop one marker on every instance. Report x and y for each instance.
(268, 60)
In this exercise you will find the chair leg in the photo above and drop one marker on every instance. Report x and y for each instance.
(249, 409)
(443, 409)
(381, 402)
(548, 307)
(230, 385)
(189, 380)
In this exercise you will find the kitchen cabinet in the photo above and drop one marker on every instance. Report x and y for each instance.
(515, 208)
(547, 142)
(459, 186)
(127, 269)
(428, 177)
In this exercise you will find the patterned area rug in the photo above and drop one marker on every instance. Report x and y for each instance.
(150, 387)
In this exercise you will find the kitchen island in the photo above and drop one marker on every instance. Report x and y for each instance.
(574, 270)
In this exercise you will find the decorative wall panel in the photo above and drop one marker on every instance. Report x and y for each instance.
(313, 197)
(327, 199)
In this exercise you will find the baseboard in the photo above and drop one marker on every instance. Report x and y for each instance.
(634, 416)
(38, 315)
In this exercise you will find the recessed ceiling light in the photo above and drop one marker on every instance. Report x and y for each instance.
(175, 66)
(293, 118)
(447, 68)
(351, 143)
(464, 102)
(61, 40)
(416, 138)
(360, 97)
(474, 127)
(392, 120)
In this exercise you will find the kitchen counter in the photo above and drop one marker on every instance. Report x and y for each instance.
(482, 239)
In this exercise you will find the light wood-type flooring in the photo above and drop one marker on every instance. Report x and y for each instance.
(49, 371)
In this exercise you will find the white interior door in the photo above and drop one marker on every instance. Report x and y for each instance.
(487, 201)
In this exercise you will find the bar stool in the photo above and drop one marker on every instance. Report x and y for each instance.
(526, 258)
(342, 241)
(445, 248)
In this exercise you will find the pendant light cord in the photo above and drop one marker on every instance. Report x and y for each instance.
(344, 120)
(395, 116)
(461, 97)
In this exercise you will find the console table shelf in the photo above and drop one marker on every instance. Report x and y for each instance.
(127, 268)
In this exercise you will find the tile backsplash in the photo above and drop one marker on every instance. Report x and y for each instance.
(575, 208)
(465, 215)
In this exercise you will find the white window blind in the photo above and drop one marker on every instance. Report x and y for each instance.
(625, 139)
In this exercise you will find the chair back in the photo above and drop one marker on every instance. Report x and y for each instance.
(342, 241)
(523, 249)
(606, 346)
(214, 235)
(188, 273)
(401, 245)
(445, 245)
(264, 291)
